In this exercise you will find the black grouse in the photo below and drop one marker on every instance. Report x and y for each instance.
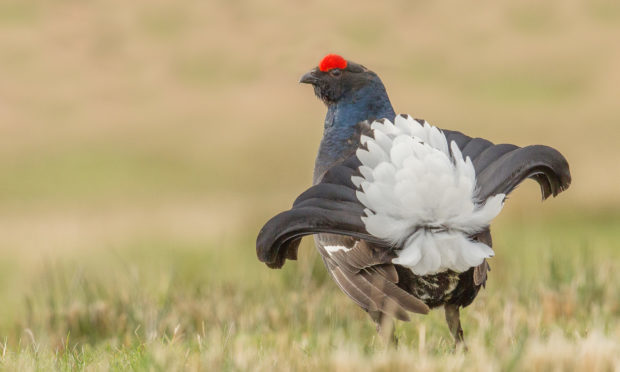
(400, 210)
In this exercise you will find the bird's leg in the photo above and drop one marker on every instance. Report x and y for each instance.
(454, 323)
(385, 327)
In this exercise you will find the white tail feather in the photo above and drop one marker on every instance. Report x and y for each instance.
(420, 194)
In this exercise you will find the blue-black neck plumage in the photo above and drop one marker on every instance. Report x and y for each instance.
(340, 137)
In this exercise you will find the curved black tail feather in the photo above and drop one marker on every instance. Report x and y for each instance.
(331, 206)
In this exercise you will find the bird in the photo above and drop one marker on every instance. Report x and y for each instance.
(400, 210)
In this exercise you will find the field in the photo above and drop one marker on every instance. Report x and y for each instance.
(144, 144)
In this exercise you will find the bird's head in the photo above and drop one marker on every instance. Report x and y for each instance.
(336, 79)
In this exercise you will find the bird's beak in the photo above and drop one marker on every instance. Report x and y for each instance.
(310, 77)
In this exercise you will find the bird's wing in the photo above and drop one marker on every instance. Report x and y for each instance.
(364, 271)
(362, 267)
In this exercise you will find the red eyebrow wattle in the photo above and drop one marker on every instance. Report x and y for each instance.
(331, 61)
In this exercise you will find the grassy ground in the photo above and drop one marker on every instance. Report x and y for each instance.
(144, 143)
(552, 302)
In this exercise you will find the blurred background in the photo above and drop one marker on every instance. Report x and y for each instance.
(135, 133)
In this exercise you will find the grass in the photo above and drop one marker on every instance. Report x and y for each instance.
(178, 305)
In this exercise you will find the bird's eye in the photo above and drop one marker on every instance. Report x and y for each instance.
(335, 72)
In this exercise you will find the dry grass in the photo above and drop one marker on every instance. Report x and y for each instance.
(142, 145)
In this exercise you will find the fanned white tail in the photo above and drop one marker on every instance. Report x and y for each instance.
(420, 194)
